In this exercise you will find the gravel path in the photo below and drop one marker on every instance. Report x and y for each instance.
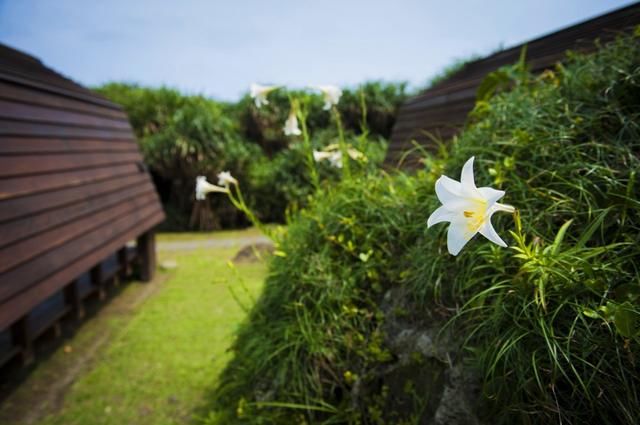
(211, 243)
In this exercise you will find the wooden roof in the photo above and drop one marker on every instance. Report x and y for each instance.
(73, 187)
(441, 111)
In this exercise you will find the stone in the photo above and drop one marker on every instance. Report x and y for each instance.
(254, 253)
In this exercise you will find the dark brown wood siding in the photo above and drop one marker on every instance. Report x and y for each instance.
(73, 187)
(441, 111)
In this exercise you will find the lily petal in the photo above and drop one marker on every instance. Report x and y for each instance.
(458, 236)
(490, 233)
(448, 189)
(504, 208)
(440, 215)
(466, 177)
(490, 194)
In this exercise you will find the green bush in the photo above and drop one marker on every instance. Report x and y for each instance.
(182, 137)
(551, 324)
(282, 183)
(264, 125)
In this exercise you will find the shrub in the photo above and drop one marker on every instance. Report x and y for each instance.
(282, 182)
(264, 125)
(551, 324)
(182, 137)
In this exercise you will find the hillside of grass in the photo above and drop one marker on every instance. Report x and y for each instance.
(548, 328)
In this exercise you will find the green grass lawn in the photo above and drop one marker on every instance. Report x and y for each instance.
(159, 365)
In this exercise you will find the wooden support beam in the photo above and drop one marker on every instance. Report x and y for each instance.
(74, 300)
(57, 329)
(97, 279)
(21, 335)
(123, 261)
(146, 246)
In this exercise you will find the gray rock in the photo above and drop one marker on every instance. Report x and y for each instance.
(254, 252)
(427, 362)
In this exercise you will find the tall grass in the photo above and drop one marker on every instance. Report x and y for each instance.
(551, 323)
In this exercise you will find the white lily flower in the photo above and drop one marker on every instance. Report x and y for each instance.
(356, 155)
(331, 95)
(336, 159)
(259, 94)
(291, 125)
(321, 155)
(203, 187)
(468, 208)
(334, 155)
(225, 178)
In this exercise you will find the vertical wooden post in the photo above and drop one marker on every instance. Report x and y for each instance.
(21, 335)
(98, 280)
(123, 262)
(146, 246)
(73, 299)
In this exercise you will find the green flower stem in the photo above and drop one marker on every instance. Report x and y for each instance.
(311, 164)
(238, 201)
(346, 169)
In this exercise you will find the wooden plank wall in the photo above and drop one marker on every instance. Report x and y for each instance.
(441, 111)
(73, 188)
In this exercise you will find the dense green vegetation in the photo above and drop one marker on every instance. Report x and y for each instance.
(183, 136)
(551, 324)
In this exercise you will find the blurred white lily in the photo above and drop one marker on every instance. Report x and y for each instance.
(468, 208)
(336, 159)
(203, 187)
(291, 125)
(356, 155)
(331, 95)
(334, 155)
(321, 155)
(225, 178)
(259, 94)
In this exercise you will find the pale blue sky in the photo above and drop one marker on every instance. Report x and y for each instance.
(219, 47)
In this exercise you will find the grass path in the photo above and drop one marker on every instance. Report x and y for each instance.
(158, 365)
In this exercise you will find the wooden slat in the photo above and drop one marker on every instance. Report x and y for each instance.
(31, 129)
(21, 277)
(29, 226)
(27, 249)
(38, 97)
(24, 206)
(28, 185)
(11, 309)
(67, 90)
(25, 112)
(38, 146)
(8, 54)
(48, 163)
(43, 74)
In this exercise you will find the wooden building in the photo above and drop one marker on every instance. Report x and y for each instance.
(74, 193)
(441, 111)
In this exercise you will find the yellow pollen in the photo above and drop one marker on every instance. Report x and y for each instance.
(468, 214)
